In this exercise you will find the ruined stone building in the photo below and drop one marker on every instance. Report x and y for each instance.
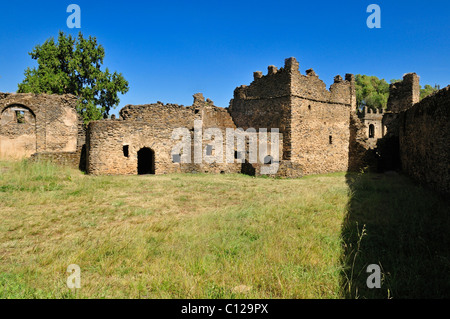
(40, 124)
(314, 121)
(141, 140)
(320, 130)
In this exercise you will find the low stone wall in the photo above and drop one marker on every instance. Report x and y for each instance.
(286, 169)
(70, 159)
(424, 132)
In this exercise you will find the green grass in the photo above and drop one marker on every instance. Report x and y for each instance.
(211, 236)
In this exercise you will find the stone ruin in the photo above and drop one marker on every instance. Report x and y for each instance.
(41, 125)
(321, 131)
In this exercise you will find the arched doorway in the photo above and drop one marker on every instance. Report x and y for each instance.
(146, 161)
(18, 136)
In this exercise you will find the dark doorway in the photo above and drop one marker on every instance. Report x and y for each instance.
(146, 161)
(371, 131)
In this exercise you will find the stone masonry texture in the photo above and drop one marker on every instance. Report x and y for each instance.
(314, 121)
(320, 130)
(424, 132)
(31, 123)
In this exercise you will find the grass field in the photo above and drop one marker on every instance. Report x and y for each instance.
(219, 236)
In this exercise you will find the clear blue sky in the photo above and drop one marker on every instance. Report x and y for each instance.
(169, 50)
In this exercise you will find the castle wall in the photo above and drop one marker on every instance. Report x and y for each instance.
(404, 94)
(265, 104)
(170, 115)
(320, 123)
(31, 123)
(320, 136)
(314, 121)
(151, 126)
(106, 141)
(424, 132)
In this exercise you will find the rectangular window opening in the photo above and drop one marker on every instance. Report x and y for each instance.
(176, 158)
(126, 151)
(209, 150)
(20, 116)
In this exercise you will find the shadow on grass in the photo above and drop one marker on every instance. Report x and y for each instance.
(402, 227)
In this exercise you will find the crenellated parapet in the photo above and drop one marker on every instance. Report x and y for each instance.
(288, 81)
(371, 114)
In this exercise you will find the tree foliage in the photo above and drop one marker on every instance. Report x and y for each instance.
(427, 90)
(374, 93)
(371, 91)
(73, 65)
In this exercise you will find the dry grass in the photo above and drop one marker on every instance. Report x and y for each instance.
(218, 236)
(175, 236)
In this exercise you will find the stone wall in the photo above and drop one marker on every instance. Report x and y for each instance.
(113, 146)
(424, 132)
(320, 123)
(69, 159)
(404, 94)
(31, 123)
(106, 140)
(106, 154)
(265, 103)
(170, 115)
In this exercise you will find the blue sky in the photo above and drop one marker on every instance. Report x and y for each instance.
(169, 50)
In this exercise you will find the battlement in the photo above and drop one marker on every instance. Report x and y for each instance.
(288, 81)
(368, 113)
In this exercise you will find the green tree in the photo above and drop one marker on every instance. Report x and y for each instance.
(73, 66)
(371, 92)
(374, 93)
(427, 90)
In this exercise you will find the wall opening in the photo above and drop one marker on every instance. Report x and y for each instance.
(176, 158)
(268, 159)
(20, 117)
(126, 151)
(146, 161)
(19, 122)
(371, 131)
(209, 150)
